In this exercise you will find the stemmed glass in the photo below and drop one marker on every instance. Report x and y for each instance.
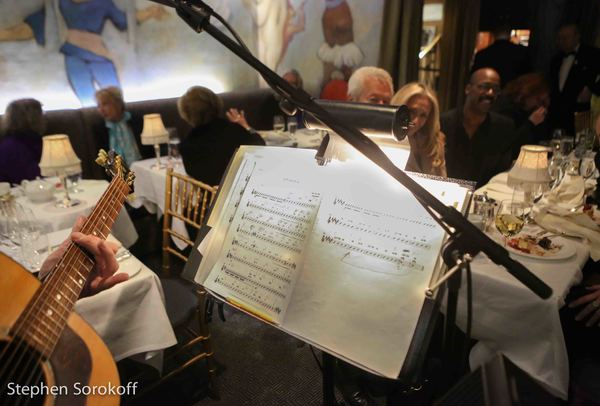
(74, 180)
(510, 218)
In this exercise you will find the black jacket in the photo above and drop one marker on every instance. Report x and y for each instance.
(207, 149)
(484, 155)
(584, 72)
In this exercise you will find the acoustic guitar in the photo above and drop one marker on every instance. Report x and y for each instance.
(45, 349)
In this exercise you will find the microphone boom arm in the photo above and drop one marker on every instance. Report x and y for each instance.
(197, 14)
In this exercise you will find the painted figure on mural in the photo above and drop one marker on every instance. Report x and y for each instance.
(88, 63)
(277, 22)
(338, 52)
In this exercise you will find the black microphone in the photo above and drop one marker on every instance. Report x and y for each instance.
(376, 120)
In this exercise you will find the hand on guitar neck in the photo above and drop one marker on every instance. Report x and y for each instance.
(104, 273)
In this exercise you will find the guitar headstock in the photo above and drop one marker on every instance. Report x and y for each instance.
(114, 166)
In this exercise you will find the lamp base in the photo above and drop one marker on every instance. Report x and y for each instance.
(158, 166)
(66, 203)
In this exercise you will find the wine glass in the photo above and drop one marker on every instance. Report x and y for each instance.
(278, 123)
(510, 218)
(587, 168)
(74, 180)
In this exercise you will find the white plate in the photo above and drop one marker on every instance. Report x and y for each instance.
(130, 266)
(568, 250)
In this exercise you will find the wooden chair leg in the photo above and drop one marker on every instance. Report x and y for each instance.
(207, 344)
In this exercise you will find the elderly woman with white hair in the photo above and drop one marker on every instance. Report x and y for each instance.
(425, 137)
(211, 143)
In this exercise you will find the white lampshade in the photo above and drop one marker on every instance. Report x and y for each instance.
(58, 157)
(531, 167)
(154, 131)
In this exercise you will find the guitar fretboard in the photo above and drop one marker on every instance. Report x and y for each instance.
(44, 319)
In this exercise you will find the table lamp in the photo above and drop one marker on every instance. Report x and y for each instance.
(530, 171)
(155, 133)
(59, 159)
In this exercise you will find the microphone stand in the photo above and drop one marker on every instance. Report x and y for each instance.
(466, 240)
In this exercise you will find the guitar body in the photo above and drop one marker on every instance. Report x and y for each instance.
(80, 358)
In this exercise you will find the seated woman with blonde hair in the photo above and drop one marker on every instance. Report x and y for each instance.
(425, 138)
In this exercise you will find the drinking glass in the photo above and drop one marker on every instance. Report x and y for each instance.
(74, 181)
(278, 123)
(510, 218)
(292, 125)
(587, 168)
(566, 145)
(174, 152)
(34, 247)
(555, 169)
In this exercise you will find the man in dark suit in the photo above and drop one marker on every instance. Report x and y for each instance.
(508, 59)
(478, 141)
(573, 73)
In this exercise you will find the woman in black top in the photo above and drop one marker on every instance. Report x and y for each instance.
(211, 143)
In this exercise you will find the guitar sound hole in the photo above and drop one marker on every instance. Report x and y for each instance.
(22, 380)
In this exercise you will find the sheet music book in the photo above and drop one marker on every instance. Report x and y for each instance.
(339, 256)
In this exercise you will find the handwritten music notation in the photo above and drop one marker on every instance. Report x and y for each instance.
(390, 242)
(263, 251)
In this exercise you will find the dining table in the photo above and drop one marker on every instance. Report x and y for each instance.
(509, 318)
(89, 191)
(130, 317)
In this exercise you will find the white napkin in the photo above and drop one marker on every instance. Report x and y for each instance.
(554, 212)
(564, 199)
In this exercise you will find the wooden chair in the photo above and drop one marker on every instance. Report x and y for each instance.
(188, 200)
(583, 121)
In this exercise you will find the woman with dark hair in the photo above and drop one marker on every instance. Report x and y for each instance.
(525, 100)
(21, 143)
(211, 143)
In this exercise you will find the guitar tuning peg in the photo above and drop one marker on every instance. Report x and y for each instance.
(102, 157)
(130, 178)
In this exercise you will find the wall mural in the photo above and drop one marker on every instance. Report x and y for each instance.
(61, 51)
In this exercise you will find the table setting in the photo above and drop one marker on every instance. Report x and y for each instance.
(543, 220)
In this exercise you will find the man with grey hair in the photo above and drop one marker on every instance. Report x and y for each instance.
(370, 84)
(121, 130)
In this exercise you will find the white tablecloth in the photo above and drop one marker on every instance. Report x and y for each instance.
(149, 191)
(129, 317)
(303, 138)
(57, 218)
(509, 318)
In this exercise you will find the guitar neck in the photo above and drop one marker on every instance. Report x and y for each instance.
(42, 322)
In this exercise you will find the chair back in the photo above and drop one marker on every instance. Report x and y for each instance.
(187, 200)
(583, 121)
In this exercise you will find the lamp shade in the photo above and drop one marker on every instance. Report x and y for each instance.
(531, 167)
(58, 157)
(154, 131)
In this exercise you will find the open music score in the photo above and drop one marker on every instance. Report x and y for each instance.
(328, 254)
(261, 258)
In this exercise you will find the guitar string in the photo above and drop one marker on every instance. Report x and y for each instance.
(74, 258)
(89, 226)
(75, 255)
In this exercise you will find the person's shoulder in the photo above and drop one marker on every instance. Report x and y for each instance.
(449, 115)
(501, 120)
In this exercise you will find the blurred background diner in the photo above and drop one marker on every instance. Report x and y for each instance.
(503, 97)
